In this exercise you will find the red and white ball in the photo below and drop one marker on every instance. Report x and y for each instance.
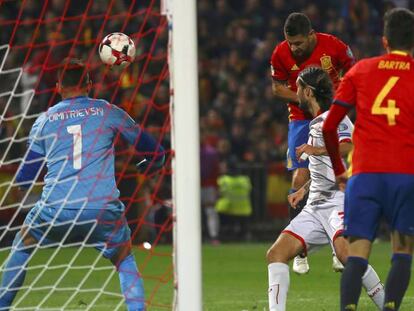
(117, 49)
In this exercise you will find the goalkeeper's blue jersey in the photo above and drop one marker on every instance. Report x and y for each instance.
(77, 136)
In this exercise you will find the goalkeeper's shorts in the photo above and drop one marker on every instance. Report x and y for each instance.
(106, 229)
(372, 196)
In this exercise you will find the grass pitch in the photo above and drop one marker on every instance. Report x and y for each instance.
(234, 279)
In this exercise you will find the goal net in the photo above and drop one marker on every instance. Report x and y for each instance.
(35, 37)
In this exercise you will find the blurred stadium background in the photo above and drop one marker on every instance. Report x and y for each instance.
(242, 126)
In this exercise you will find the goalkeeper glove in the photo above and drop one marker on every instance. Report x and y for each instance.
(149, 166)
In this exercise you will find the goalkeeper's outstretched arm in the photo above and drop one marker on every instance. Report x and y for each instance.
(144, 143)
(30, 169)
(148, 145)
(155, 157)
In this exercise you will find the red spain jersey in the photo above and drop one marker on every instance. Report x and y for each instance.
(381, 89)
(330, 53)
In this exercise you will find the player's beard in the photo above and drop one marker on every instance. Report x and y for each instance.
(305, 52)
(304, 55)
(304, 105)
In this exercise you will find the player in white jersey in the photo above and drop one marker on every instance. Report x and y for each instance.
(321, 221)
(323, 186)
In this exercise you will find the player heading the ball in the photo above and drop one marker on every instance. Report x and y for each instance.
(303, 47)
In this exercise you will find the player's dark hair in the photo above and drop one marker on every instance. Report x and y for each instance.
(297, 24)
(73, 73)
(399, 28)
(321, 84)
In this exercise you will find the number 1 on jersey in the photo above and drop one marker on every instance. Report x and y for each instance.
(76, 131)
(391, 109)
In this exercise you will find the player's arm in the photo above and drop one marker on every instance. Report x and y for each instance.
(144, 143)
(330, 135)
(345, 130)
(279, 76)
(344, 100)
(155, 157)
(30, 169)
(154, 153)
(284, 93)
(345, 146)
(298, 196)
(34, 160)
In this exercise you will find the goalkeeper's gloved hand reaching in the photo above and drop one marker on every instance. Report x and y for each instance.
(149, 166)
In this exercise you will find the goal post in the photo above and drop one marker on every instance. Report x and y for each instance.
(182, 17)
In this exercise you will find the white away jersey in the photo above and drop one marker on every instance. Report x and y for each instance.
(323, 184)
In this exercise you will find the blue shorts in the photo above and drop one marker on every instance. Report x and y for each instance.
(371, 196)
(298, 135)
(106, 229)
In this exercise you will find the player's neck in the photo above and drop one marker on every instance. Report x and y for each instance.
(314, 42)
(314, 108)
(66, 95)
(400, 51)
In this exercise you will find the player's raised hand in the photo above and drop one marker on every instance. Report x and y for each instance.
(341, 181)
(296, 197)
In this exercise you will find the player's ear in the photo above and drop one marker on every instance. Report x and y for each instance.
(312, 34)
(308, 92)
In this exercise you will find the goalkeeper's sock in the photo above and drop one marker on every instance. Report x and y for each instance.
(278, 286)
(374, 287)
(351, 282)
(397, 281)
(132, 286)
(14, 272)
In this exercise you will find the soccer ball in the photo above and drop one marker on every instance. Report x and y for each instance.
(117, 49)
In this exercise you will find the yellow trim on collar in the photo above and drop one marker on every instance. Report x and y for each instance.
(398, 52)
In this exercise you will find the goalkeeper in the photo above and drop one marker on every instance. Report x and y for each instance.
(75, 141)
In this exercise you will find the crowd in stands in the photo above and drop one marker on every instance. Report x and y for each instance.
(236, 40)
(240, 120)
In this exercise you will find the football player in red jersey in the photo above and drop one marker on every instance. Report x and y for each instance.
(302, 48)
(382, 182)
